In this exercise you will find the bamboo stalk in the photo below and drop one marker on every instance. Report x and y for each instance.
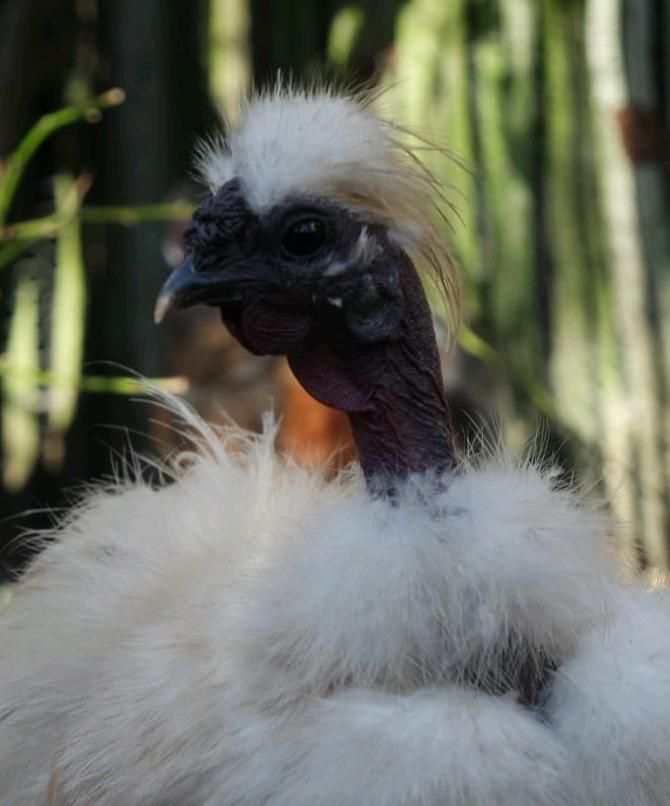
(96, 384)
(573, 360)
(639, 415)
(18, 417)
(429, 91)
(45, 127)
(68, 320)
(502, 66)
(125, 215)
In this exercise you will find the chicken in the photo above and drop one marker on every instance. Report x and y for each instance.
(424, 629)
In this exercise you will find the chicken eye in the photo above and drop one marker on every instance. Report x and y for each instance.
(304, 238)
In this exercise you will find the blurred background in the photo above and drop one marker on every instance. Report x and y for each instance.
(559, 113)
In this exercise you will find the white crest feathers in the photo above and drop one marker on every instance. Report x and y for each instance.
(289, 142)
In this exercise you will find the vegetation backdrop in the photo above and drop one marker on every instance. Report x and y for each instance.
(559, 112)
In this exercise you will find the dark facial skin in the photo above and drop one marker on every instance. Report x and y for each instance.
(352, 320)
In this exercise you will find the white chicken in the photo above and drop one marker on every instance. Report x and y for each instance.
(421, 630)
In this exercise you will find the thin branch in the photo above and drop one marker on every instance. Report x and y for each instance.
(105, 384)
(13, 250)
(131, 215)
(50, 225)
(15, 165)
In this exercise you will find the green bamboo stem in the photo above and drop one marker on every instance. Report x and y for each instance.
(14, 249)
(68, 313)
(125, 215)
(45, 127)
(572, 364)
(97, 384)
(138, 214)
(501, 70)
(19, 426)
(429, 91)
(639, 414)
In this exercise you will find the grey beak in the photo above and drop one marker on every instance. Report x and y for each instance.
(186, 287)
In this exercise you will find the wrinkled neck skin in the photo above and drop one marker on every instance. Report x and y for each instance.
(392, 389)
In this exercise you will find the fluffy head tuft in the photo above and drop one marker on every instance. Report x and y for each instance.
(320, 141)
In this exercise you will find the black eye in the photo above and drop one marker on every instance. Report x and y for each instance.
(304, 238)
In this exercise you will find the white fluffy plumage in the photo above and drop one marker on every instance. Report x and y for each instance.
(251, 634)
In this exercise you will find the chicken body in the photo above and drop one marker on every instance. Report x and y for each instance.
(253, 635)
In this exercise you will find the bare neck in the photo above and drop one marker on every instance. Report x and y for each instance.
(393, 393)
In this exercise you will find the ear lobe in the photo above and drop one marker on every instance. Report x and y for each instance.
(375, 311)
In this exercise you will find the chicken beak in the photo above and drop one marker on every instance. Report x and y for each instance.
(186, 287)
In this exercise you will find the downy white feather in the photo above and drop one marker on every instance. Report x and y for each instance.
(610, 704)
(253, 635)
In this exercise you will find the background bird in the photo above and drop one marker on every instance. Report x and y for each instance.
(424, 629)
